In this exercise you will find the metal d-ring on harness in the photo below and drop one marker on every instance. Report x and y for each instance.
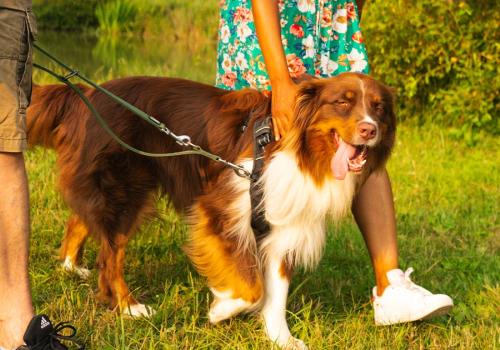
(182, 140)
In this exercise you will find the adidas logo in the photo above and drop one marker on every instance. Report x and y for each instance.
(44, 323)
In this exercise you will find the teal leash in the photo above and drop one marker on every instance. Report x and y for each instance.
(182, 140)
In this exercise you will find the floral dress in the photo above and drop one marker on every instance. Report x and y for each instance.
(320, 37)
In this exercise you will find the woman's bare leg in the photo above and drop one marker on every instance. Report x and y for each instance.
(373, 209)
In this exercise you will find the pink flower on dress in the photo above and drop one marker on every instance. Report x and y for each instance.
(351, 11)
(249, 76)
(295, 65)
(326, 17)
(357, 37)
(297, 30)
(242, 15)
(229, 79)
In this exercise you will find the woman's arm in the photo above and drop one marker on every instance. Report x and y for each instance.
(267, 24)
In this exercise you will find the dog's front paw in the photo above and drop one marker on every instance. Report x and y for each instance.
(138, 310)
(295, 344)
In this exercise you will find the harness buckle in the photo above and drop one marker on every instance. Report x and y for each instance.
(262, 135)
(263, 131)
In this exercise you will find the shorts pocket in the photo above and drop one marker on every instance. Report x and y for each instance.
(12, 28)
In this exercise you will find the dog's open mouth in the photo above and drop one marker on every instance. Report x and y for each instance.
(347, 158)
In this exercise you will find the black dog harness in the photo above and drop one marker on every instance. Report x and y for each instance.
(262, 136)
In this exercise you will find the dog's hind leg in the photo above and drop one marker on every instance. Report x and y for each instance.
(233, 274)
(112, 285)
(72, 246)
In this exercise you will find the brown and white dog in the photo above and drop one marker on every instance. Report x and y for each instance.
(343, 129)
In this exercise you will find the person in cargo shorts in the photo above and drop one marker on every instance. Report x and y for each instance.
(19, 327)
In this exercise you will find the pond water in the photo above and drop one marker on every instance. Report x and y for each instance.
(105, 58)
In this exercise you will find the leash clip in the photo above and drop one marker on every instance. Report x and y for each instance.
(183, 140)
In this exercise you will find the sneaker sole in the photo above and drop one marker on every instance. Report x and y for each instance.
(438, 312)
(434, 313)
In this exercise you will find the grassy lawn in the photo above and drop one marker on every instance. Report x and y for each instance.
(447, 198)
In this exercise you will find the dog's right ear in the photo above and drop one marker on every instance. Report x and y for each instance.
(307, 102)
(303, 77)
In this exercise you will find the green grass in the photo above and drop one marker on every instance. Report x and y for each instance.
(447, 199)
(116, 16)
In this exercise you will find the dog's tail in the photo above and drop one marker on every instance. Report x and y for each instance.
(50, 105)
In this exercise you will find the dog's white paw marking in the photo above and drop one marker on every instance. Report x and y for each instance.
(295, 344)
(224, 307)
(69, 266)
(139, 310)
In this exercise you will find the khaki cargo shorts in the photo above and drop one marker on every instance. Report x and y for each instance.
(17, 33)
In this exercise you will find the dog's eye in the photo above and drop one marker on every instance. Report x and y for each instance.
(379, 107)
(342, 103)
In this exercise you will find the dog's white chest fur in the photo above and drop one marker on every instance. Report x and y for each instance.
(297, 208)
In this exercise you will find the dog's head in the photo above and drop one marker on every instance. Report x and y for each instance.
(342, 124)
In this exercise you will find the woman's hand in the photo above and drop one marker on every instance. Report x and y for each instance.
(282, 106)
(267, 24)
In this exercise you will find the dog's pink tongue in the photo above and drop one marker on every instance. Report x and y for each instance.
(341, 158)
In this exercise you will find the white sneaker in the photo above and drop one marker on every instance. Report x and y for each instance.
(404, 301)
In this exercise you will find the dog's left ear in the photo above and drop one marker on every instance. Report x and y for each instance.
(389, 98)
(308, 101)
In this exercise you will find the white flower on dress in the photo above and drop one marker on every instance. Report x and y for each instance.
(328, 66)
(249, 76)
(243, 31)
(308, 44)
(241, 61)
(225, 34)
(263, 82)
(340, 21)
(281, 5)
(227, 64)
(306, 6)
(357, 60)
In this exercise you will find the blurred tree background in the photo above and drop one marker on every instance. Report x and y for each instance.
(442, 57)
